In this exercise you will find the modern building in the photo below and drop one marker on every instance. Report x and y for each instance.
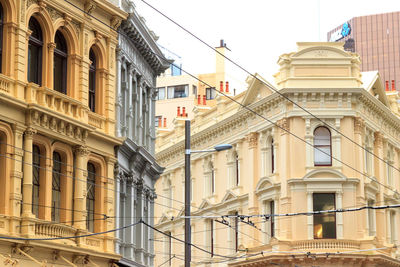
(57, 132)
(376, 39)
(181, 95)
(138, 66)
(293, 163)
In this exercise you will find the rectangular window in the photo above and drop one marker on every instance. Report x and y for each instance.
(212, 238)
(324, 224)
(210, 93)
(272, 218)
(178, 91)
(160, 93)
(158, 121)
(236, 228)
(194, 90)
(36, 179)
(392, 227)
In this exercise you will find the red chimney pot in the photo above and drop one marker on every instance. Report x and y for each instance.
(204, 99)
(386, 85)
(393, 86)
(221, 86)
(165, 122)
(179, 112)
(227, 87)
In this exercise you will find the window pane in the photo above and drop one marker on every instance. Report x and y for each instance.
(324, 224)
(161, 93)
(320, 158)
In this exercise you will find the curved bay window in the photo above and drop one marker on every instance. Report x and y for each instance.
(1, 34)
(322, 147)
(92, 81)
(56, 188)
(35, 179)
(90, 196)
(35, 47)
(60, 64)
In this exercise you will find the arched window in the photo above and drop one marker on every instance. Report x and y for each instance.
(36, 179)
(90, 196)
(35, 52)
(272, 157)
(60, 63)
(56, 188)
(92, 81)
(1, 34)
(322, 147)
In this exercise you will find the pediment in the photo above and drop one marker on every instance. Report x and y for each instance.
(163, 219)
(258, 87)
(325, 173)
(264, 183)
(229, 196)
(205, 204)
(321, 52)
(374, 85)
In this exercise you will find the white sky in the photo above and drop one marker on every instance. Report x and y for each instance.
(256, 31)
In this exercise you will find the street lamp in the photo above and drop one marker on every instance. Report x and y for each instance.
(217, 148)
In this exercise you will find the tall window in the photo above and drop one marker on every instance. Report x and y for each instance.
(160, 93)
(36, 179)
(237, 169)
(389, 170)
(90, 196)
(392, 218)
(236, 218)
(272, 157)
(212, 178)
(211, 237)
(324, 224)
(35, 47)
(60, 63)
(92, 81)
(178, 91)
(1, 34)
(371, 218)
(322, 147)
(56, 188)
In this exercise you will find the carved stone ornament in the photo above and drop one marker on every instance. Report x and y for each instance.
(82, 151)
(80, 259)
(115, 22)
(29, 132)
(54, 14)
(89, 7)
(378, 139)
(30, 2)
(252, 139)
(76, 26)
(283, 125)
(358, 125)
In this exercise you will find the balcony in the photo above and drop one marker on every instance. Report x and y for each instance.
(325, 244)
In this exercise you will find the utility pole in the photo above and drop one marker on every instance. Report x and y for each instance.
(188, 255)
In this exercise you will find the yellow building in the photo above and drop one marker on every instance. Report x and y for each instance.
(57, 131)
(277, 167)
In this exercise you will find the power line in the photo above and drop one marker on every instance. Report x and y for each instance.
(266, 84)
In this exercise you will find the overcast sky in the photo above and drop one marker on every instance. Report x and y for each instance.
(256, 31)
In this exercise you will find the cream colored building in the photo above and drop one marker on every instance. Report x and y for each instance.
(57, 132)
(181, 96)
(272, 170)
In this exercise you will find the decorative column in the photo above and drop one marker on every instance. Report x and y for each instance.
(117, 175)
(359, 157)
(140, 227)
(118, 103)
(339, 215)
(109, 195)
(27, 180)
(380, 174)
(129, 109)
(252, 163)
(81, 153)
(152, 126)
(50, 75)
(310, 219)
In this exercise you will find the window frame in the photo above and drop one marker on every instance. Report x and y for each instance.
(324, 215)
(90, 195)
(36, 170)
(92, 81)
(171, 91)
(56, 189)
(211, 93)
(38, 44)
(158, 93)
(63, 56)
(322, 146)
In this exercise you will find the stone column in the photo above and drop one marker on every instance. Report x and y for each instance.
(129, 107)
(51, 46)
(27, 180)
(380, 174)
(339, 215)
(310, 219)
(360, 164)
(118, 102)
(109, 194)
(117, 175)
(81, 153)
(140, 227)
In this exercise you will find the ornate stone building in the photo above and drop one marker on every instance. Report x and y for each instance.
(138, 67)
(57, 132)
(270, 170)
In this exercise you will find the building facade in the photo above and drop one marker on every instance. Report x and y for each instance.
(293, 163)
(181, 95)
(57, 132)
(376, 39)
(137, 170)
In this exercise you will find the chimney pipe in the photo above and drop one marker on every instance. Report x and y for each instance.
(221, 86)
(186, 115)
(198, 100)
(204, 99)
(165, 122)
(227, 87)
(179, 112)
(183, 111)
(386, 85)
(222, 43)
(393, 86)
(160, 122)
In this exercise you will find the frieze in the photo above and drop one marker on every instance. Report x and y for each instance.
(58, 125)
(54, 14)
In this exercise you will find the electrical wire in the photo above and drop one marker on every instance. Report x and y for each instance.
(266, 84)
